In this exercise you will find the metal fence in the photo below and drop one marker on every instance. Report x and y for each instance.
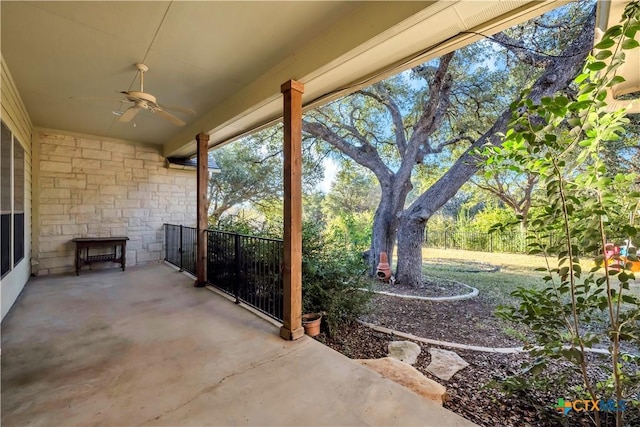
(514, 242)
(246, 267)
(180, 246)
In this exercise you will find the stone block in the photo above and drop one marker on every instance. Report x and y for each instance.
(51, 139)
(176, 209)
(119, 231)
(149, 237)
(48, 166)
(113, 189)
(120, 147)
(404, 351)
(146, 148)
(116, 166)
(55, 158)
(50, 230)
(147, 187)
(161, 179)
(82, 209)
(48, 246)
(444, 363)
(60, 150)
(148, 203)
(92, 164)
(54, 219)
(70, 183)
(100, 200)
(131, 257)
(55, 193)
(185, 181)
(96, 154)
(74, 229)
(140, 174)
(127, 203)
(88, 218)
(407, 376)
(153, 156)
(89, 143)
(124, 176)
(135, 213)
(51, 209)
(111, 213)
(133, 163)
(154, 247)
(101, 179)
(46, 182)
(56, 262)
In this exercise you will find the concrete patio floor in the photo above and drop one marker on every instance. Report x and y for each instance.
(144, 347)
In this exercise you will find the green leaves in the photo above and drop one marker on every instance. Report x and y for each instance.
(588, 208)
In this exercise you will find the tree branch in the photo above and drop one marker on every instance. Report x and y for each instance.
(366, 155)
(523, 53)
(385, 99)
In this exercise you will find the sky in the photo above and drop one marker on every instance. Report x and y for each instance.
(330, 171)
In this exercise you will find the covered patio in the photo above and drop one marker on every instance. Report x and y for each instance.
(144, 347)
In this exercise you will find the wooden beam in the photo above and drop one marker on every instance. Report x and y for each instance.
(292, 322)
(203, 217)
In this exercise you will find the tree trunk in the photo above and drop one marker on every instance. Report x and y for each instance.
(413, 220)
(385, 222)
(384, 232)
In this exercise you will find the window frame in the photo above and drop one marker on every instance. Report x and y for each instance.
(13, 206)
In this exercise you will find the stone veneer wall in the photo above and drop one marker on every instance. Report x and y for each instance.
(94, 187)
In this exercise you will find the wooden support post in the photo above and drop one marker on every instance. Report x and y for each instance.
(292, 313)
(202, 221)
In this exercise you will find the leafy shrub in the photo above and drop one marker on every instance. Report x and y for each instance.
(588, 207)
(331, 277)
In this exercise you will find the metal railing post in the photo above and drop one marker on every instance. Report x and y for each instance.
(180, 248)
(238, 268)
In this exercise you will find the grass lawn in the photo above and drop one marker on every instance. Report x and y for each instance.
(474, 268)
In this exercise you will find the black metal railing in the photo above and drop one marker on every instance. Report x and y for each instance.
(247, 267)
(180, 246)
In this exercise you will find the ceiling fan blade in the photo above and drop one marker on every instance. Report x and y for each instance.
(178, 109)
(78, 98)
(168, 116)
(129, 114)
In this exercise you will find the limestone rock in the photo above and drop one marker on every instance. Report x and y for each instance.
(404, 351)
(407, 376)
(444, 363)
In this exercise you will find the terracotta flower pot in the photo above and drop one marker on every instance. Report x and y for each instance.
(311, 323)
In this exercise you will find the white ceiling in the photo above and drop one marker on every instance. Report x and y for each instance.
(225, 60)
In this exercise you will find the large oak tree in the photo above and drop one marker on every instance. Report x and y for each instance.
(394, 125)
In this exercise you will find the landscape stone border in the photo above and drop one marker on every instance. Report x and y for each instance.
(474, 293)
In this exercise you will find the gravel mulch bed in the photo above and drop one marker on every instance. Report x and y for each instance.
(469, 321)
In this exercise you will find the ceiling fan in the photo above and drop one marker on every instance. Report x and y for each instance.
(145, 101)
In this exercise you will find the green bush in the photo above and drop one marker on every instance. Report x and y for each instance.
(331, 277)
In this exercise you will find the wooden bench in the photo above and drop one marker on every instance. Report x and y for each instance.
(100, 242)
